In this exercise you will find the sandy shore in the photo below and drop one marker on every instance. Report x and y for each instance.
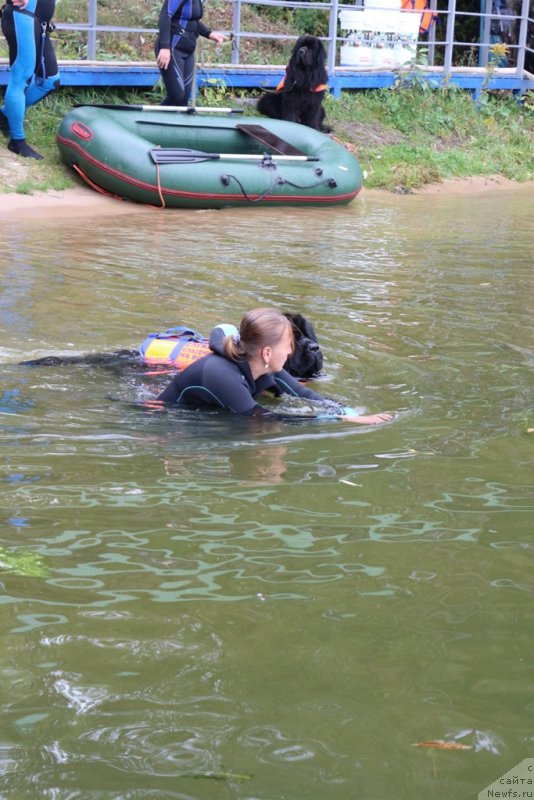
(476, 185)
(86, 202)
(70, 203)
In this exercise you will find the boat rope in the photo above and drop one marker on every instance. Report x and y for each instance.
(279, 181)
(93, 185)
(160, 193)
(99, 189)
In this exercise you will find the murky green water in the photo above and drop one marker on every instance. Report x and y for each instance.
(199, 608)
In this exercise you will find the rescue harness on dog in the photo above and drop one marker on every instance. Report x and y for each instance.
(178, 346)
(181, 346)
(321, 87)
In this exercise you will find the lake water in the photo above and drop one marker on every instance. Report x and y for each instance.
(197, 607)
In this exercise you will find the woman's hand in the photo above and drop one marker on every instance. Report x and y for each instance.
(164, 58)
(372, 419)
(215, 36)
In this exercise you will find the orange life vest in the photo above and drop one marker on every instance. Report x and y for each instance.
(322, 87)
(428, 18)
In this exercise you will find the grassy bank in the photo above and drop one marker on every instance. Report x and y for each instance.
(404, 137)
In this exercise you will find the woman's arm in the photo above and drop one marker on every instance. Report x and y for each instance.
(203, 30)
(164, 24)
(287, 384)
(371, 419)
(218, 382)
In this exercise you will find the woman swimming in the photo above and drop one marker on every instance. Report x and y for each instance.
(245, 364)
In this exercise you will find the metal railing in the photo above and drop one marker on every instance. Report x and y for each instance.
(448, 18)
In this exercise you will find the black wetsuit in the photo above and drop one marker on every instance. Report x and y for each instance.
(33, 67)
(179, 29)
(218, 381)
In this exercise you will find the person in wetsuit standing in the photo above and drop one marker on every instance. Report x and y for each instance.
(33, 72)
(245, 364)
(179, 28)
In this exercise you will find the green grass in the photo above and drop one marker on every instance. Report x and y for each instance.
(411, 135)
(404, 137)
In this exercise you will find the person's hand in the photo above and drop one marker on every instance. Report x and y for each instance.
(372, 419)
(21, 4)
(215, 36)
(164, 57)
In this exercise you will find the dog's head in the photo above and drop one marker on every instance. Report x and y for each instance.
(309, 52)
(307, 360)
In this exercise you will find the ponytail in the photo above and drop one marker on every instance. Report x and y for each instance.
(232, 348)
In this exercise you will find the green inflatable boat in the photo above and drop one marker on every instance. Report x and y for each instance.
(177, 159)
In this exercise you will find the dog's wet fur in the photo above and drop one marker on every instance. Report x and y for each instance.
(305, 362)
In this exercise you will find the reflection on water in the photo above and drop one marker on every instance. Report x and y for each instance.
(196, 606)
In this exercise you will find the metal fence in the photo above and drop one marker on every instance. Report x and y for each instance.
(441, 48)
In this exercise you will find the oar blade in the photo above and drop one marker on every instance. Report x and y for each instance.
(180, 155)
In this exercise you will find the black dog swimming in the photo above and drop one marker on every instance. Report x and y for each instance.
(299, 97)
(305, 362)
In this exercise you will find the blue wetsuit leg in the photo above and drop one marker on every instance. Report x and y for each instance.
(33, 66)
(46, 77)
(19, 30)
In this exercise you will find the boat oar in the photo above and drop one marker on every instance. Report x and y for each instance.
(182, 155)
(176, 109)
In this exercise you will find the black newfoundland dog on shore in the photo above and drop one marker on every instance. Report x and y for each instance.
(299, 97)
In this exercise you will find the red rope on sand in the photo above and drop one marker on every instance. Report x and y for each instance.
(94, 186)
(99, 189)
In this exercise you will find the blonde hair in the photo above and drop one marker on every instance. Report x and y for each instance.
(259, 328)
